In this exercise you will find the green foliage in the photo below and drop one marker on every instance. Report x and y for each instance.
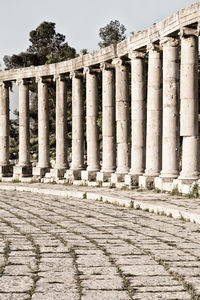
(194, 192)
(46, 47)
(83, 51)
(112, 33)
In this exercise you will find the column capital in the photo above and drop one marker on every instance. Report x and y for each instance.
(187, 32)
(22, 81)
(171, 41)
(119, 62)
(6, 84)
(154, 47)
(41, 79)
(136, 54)
(76, 74)
(61, 77)
(91, 70)
(106, 66)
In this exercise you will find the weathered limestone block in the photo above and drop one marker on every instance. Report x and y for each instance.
(87, 176)
(43, 124)
(43, 165)
(22, 171)
(170, 134)
(91, 124)
(24, 132)
(108, 124)
(190, 158)
(131, 180)
(57, 173)
(40, 171)
(122, 100)
(23, 168)
(146, 182)
(61, 123)
(72, 175)
(4, 124)
(154, 113)
(6, 171)
(189, 106)
(189, 86)
(103, 177)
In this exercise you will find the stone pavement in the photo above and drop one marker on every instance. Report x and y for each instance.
(177, 206)
(67, 247)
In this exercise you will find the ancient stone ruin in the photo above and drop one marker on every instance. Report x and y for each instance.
(143, 149)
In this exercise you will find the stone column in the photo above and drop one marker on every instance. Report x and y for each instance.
(43, 129)
(5, 168)
(23, 169)
(77, 122)
(61, 128)
(154, 118)
(170, 134)
(122, 120)
(108, 123)
(189, 105)
(77, 128)
(138, 118)
(93, 165)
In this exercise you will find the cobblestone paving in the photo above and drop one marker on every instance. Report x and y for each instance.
(77, 249)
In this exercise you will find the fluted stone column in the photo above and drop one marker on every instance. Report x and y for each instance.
(108, 123)
(189, 106)
(43, 129)
(77, 128)
(93, 164)
(61, 128)
(23, 168)
(138, 117)
(5, 168)
(171, 134)
(122, 120)
(154, 118)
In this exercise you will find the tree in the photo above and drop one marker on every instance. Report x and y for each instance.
(112, 33)
(46, 47)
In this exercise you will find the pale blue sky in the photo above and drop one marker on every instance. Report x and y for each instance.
(78, 20)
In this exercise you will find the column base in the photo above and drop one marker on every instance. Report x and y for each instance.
(131, 180)
(103, 176)
(93, 169)
(189, 176)
(184, 186)
(22, 171)
(6, 171)
(57, 173)
(164, 183)
(146, 182)
(72, 175)
(173, 175)
(117, 177)
(40, 171)
(88, 175)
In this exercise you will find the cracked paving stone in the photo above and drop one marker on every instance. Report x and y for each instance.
(15, 284)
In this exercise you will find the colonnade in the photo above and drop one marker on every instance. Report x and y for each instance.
(141, 137)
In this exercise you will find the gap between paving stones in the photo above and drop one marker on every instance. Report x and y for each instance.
(70, 218)
(56, 210)
(167, 209)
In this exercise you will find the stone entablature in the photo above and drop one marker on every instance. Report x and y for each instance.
(141, 138)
